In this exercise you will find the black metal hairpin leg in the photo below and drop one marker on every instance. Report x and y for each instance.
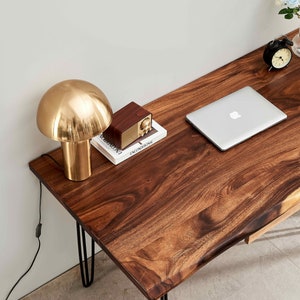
(86, 276)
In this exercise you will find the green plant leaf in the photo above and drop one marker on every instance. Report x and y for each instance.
(288, 16)
(282, 11)
(285, 11)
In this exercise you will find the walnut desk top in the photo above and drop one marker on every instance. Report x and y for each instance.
(166, 212)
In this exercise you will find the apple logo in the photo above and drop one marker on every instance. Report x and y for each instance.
(235, 115)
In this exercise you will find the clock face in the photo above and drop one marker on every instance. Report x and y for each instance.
(281, 58)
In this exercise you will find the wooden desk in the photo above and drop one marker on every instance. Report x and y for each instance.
(171, 209)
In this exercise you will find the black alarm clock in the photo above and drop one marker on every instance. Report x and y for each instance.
(277, 53)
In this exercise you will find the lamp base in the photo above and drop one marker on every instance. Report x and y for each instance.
(77, 161)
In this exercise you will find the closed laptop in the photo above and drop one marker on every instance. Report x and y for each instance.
(235, 118)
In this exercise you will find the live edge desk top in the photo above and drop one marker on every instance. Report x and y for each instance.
(166, 212)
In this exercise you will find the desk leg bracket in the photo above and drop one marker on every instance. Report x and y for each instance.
(87, 276)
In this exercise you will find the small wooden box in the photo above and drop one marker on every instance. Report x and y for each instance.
(128, 124)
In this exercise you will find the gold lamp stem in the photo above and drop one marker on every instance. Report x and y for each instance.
(77, 161)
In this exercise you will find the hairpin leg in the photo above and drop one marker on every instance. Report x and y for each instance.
(86, 276)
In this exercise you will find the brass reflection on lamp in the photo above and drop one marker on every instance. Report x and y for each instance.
(72, 112)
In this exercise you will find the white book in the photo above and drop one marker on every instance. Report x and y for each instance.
(116, 155)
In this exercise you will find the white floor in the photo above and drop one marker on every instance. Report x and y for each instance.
(268, 269)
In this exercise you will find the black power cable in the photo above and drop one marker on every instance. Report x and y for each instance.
(38, 229)
(37, 234)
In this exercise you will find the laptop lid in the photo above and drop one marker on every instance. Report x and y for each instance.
(235, 118)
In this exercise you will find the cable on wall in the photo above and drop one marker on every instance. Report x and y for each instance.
(38, 231)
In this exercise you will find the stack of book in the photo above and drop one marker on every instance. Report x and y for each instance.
(115, 155)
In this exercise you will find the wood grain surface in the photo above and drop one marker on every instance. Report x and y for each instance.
(169, 210)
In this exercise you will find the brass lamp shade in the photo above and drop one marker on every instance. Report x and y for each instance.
(72, 112)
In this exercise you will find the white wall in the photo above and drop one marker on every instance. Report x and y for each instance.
(133, 50)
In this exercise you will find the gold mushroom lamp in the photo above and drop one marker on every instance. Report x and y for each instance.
(72, 112)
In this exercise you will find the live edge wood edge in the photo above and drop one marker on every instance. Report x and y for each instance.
(166, 212)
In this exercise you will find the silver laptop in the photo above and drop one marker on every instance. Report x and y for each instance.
(235, 118)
